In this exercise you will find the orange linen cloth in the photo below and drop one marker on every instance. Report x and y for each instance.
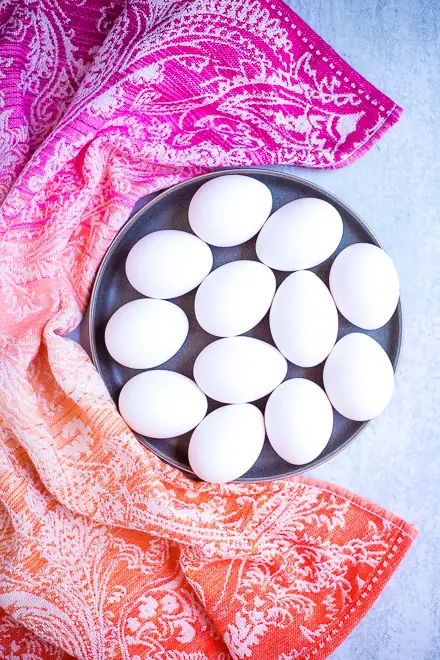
(106, 552)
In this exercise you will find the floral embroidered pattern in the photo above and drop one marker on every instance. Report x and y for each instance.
(105, 552)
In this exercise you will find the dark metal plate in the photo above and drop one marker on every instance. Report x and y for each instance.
(169, 210)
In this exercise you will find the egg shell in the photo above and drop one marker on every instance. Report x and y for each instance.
(365, 285)
(229, 210)
(234, 298)
(239, 369)
(162, 404)
(359, 377)
(300, 235)
(299, 420)
(304, 319)
(145, 333)
(227, 443)
(168, 263)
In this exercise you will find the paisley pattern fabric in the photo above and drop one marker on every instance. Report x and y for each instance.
(106, 552)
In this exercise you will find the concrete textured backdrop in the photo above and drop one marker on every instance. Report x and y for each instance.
(395, 188)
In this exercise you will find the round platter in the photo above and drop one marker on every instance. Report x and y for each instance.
(169, 210)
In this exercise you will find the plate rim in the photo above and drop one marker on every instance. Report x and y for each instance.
(131, 220)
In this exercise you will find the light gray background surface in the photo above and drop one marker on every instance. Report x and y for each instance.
(395, 188)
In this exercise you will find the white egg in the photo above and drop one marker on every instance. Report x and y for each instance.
(300, 235)
(365, 285)
(230, 209)
(304, 319)
(359, 377)
(168, 263)
(239, 369)
(234, 298)
(145, 333)
(227, 443)
(299, 420)
(162, 404)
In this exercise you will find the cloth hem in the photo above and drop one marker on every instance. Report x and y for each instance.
(372, 98)
(362, 503)
(367, 596)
